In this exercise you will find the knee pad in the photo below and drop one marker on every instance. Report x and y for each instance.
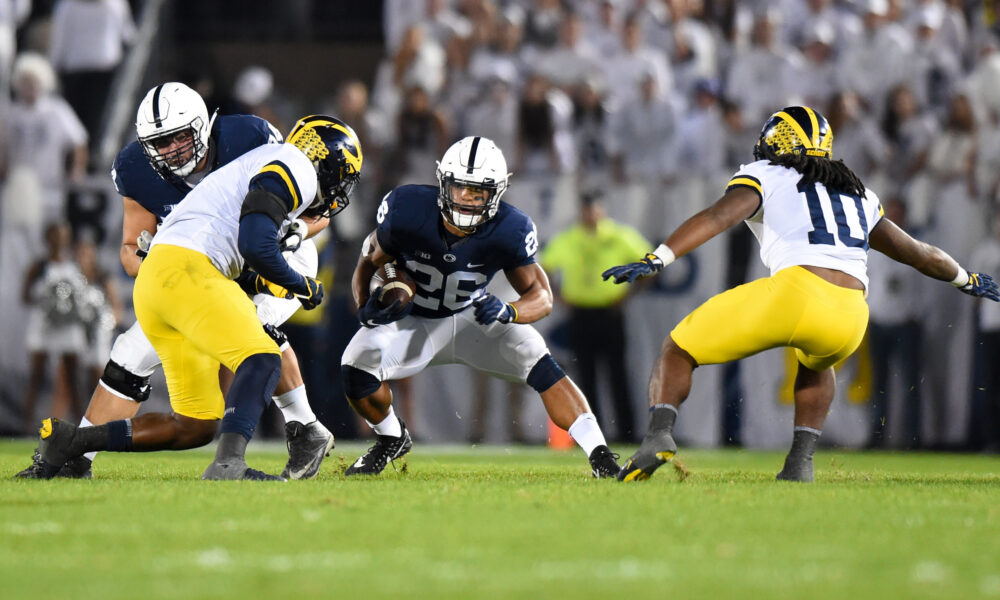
(545, 374)
(120, 382)
(357, 383)
(277, 335)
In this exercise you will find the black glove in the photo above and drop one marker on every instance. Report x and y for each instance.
(372, 315)
(489, 308)
(312, 295)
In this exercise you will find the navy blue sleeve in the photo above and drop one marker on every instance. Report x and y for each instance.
(385, 219)
(524, 243)
(258, 243)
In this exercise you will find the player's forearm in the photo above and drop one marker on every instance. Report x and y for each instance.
(258, 244)
(696, 231)
(935, 262)
(130, 262)
(361, 280)
(534, 305)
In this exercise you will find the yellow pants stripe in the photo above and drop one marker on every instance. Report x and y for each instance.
(823, 322)
(196, 320)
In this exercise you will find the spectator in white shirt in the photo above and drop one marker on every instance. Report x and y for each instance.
(624, 71)
(87, 44)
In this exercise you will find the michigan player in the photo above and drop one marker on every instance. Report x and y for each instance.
(197, 317)
(815, 221)
(178, 146)
(454, 238)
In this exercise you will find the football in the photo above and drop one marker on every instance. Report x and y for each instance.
(395, 283)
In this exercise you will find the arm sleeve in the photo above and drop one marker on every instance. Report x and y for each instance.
(384, 221)
(524, 245)
(258, 243)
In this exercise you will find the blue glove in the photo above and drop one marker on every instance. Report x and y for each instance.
(981, 285)
(489, 308)
(372, 315)
(311, 295)
(649, 265)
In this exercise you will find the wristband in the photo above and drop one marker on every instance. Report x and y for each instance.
(513, 311)
(962, 279)
(665, 254)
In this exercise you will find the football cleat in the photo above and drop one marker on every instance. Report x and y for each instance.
(77, 468)
(800, 469)
(236, 470)
(307, 446)
(56, 437)
(604, 463)
(657, 448)
(386, 449)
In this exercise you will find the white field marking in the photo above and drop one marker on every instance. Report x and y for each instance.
(33, 528)
(990, 585)
(930, 571)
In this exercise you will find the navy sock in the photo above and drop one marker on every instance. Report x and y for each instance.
(250, 393)
(115, 436)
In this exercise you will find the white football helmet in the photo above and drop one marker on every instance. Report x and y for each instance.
(477, 163)
(173, 127)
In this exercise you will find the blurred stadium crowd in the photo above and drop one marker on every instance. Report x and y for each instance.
(648, 104)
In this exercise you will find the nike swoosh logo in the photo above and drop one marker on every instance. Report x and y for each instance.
(472, 266)
(360, 462)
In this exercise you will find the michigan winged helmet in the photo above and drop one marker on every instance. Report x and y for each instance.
(335, 151)
(795, 130)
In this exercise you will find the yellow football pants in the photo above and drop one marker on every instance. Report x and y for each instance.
(822, 321)
(196, 319)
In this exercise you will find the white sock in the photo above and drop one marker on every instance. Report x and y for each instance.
(84, 422)
(587, 433)
(294, 406)
(389, 426)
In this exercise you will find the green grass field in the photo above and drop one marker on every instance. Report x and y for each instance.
(496, 522)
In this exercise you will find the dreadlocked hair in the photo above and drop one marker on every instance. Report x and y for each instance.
(833, 174)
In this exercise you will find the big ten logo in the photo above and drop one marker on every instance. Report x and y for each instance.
(680, 277)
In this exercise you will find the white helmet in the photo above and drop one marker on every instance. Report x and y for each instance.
(168, 111)
(474, 162)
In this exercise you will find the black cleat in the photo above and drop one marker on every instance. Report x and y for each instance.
(56, 438)
(386, 449)
(76, 468)
(235, 470)
(604, 463)
(656, 449)
(800, 470)
(307, 445)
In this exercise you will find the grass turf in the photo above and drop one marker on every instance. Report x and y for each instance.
(494, 522)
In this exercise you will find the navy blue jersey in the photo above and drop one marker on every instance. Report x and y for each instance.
(450, 271)
(232, 136)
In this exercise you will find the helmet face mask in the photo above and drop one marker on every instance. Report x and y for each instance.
(335, 152)
(795, 130)
(472, 176)
(174, 128)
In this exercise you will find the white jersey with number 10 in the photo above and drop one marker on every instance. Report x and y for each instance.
(807, 224)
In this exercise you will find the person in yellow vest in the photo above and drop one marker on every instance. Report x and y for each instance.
(597, 323)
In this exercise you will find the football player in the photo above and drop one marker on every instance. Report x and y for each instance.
(815, 221)
(178, 145)
(197, 317)
(453, 238)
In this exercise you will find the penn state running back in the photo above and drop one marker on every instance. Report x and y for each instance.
(178, 146)
(454, 238)
(815, 221)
